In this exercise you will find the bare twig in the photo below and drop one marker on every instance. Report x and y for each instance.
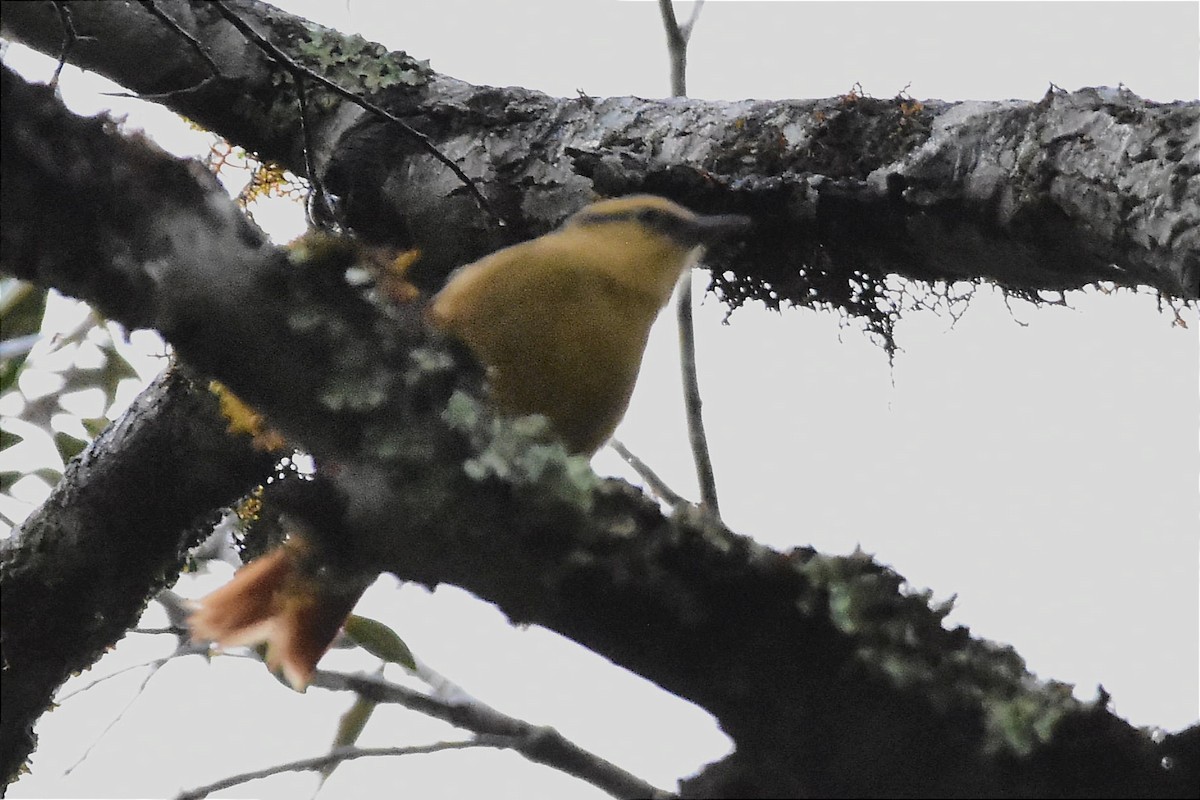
(173, 604)
(168, 629)
(336, 757)
(320, 203)
(677, 41)
(20, 346)
(691, 397)
(686, 28)
(451, 703)
(540, 744)
(286, 62)
(183, 649)
(318, 210)
(655, 483)
(70, 37)
(153, 664)
(68, 26)
(163, 17)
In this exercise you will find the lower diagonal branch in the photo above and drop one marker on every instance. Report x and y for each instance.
(78, 572)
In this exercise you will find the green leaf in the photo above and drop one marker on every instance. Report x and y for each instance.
(7, 479)
(77, 379)
(350, 727)
(10, 368)
(49, 474)
(116, 369)
(8, 438)
(22, 306)
(379, 640)
(93, 425)
(68, 446)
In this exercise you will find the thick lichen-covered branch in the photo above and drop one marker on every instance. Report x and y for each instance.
(1090, 186)
(75, 575)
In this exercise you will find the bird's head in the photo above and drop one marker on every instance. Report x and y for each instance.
(649, 238)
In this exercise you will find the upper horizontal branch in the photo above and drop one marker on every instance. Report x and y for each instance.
(1095, 185)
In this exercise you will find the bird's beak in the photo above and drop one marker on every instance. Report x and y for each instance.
(713, 228)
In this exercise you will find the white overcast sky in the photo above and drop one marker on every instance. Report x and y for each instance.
(1040, 464)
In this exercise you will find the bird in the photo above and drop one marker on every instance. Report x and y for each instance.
(560, 324)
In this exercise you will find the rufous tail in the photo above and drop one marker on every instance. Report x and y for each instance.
(276, 600)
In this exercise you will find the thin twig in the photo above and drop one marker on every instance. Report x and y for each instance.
(691, 397)
(70, 37)
(163, 17)
(453, 704)
(283, 60)
(676, 47)
(171, 629)
(336, 757)
(20, 346)
(447, 691)
(154, 666)
(68, 26)
(317, 209)
(656, 484)
(686, 28)
(538, 743)
(173, 604)
(677, 41)
(198, 47)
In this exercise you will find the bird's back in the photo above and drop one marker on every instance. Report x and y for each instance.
(559, 335)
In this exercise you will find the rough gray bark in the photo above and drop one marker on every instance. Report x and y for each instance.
(831, 681)
(79, 571)
(1095, 185)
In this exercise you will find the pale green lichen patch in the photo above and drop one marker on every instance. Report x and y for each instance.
(463, 413)
(353, 63)
(1021, 723)
(356, 393)
(357, 64)
(901, 637)
(522, 452)
(427, 361)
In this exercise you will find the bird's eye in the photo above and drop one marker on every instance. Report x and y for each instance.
(650, 216)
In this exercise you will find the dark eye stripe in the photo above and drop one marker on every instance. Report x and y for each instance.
(601, 217)
(656, 219)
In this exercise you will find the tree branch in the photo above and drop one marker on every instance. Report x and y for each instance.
(300, 73)
(78, 572)
(339, 755)
(677, 41)
(654, 483)
(540, 744)
(1094, 185)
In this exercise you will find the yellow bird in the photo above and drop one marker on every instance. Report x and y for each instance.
(561, 321)
(561, 324)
